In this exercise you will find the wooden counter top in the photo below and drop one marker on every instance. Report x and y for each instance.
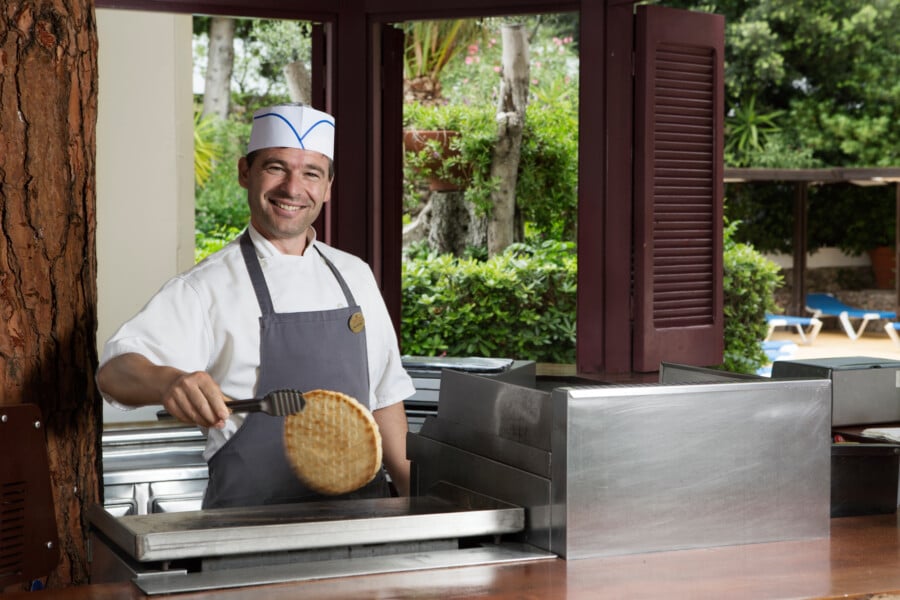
(862, 557)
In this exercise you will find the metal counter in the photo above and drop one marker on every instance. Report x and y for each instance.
(153, 469)
(507, 471)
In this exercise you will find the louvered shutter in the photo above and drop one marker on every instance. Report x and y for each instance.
(679, 86)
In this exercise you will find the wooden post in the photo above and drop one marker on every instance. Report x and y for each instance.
(897, 247)
(801, 215)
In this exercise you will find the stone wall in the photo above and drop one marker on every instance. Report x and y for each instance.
(854, 286)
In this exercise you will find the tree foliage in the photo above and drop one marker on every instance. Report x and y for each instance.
(827, 72)
(831, 67)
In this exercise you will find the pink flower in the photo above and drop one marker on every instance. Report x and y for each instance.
(469, 60)
(496, 69)
(473, 48)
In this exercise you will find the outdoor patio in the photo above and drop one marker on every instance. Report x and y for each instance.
(873, 343)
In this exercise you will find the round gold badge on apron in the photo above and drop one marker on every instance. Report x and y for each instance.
(357, 322)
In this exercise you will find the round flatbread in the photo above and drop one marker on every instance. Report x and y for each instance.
(333, 444)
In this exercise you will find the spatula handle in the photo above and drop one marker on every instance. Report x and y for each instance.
(254, 405)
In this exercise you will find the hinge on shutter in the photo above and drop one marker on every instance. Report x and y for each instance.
(631, 306)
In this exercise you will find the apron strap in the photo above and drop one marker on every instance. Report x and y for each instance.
(348, 295)
(259, 280)
(256, 274)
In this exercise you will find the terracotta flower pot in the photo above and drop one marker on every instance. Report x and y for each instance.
(883, 266)
(416, 140)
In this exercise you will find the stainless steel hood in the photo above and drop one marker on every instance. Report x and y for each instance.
(622, 469)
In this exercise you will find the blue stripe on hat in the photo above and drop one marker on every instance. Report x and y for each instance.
(288, 123)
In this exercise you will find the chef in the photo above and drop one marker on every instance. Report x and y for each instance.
(274, 309)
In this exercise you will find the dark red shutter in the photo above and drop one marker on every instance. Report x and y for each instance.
(321, 98)
(388, 188)
(679, 86)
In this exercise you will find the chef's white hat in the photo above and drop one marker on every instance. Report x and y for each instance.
(292, 126)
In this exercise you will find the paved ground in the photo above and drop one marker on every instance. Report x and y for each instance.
(830, 343)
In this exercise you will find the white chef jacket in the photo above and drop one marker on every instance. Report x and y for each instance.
(207, 319)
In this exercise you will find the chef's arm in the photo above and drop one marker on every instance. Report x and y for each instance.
(393, 427)
(189, 397)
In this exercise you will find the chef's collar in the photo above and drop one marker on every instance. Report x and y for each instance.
(266, 249)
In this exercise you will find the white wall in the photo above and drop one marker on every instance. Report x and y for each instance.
(145, 177)
(823, 257)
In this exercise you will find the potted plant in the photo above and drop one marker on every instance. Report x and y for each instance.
(434, 153)
(866, 220)
(448, 145)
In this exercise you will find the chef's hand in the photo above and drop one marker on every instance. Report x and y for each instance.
(190, 397)
(195, 398)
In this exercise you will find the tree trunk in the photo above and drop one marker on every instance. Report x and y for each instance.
(219, 65)
(299, 82)
(448, 224)
(510, 125)
(48, 296)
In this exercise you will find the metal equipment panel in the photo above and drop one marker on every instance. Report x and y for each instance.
(651, 468)
(508, 410)
(864, 389)
(435, 462)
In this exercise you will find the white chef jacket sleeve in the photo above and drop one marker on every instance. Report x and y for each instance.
(389, 382)
(172, 329)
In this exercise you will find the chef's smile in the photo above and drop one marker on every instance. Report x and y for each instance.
(288, 207)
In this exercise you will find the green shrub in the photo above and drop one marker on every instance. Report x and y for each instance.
(547, 186)
(221, 208)
(749, 286)
(520, 304)
(209, 242)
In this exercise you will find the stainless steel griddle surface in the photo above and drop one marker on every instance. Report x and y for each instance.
(220, 532)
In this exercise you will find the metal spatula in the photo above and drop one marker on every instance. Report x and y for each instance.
(278, 403)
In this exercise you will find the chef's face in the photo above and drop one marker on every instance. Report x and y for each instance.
(286, 189)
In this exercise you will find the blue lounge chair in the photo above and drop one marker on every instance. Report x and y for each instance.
(892, 327)
(807, 336)
(826, 305)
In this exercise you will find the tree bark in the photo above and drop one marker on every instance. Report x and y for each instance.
(448, 224)
(219, 66)
(48, 299)
(510, 126)
(299, 82)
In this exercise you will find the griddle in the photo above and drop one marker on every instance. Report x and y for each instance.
(233, 547)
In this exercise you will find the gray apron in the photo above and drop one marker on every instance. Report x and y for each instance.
(305, 351)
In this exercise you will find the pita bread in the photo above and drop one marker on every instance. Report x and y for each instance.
(333, 444)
